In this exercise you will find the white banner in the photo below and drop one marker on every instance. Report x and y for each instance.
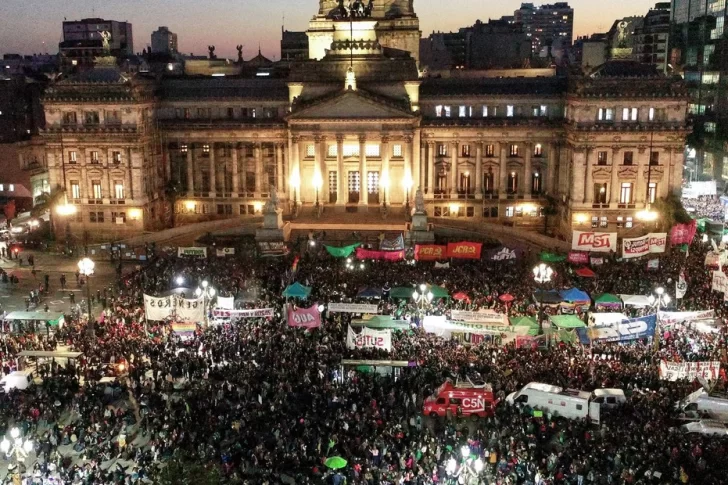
(158, 308)
(669, 318)
(674, 371)
(439, 265)
(695, 189)
(369, 339)
(720, 282)
(161, 308)
(187, 310)
(681, 286)
(192, 252)
(598, 242)
(485, 318)
(225, 252)
(244, 313)
(226, 302)
(654, 242)
(353, 308)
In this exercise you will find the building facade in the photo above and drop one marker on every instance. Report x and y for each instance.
(164, 41)
(82, 41)
(360, 131)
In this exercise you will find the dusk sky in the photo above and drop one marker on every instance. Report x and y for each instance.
(29, 26)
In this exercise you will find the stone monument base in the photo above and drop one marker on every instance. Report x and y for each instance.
(420, 231)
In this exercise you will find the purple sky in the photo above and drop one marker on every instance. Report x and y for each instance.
(28, 26)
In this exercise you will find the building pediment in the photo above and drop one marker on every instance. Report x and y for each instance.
(351, 105)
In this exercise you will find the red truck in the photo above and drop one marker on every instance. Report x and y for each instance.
(463, 398)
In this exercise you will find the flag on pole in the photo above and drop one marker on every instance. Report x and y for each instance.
(681, 286)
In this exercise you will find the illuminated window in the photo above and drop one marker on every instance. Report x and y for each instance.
(118, 189)
(485, 111)
(332, 151)
(116, 156)
(628, 223)
(652, 192)
(629, 114)
(96, 189)
(75, 189)
(513, 150)
(489, 150)
(351, 150)
(537, 150)
(509, 111)
(438, 111)
(94, 157)
(543, 110)
(605, 114)
(205, 148)
(372, 151)
(625, 195)
(72, 157)
(601, 158)
(447, 111)
(310, 151)
(462, 111)
(397, 150)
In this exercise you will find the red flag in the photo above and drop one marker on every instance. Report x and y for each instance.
(295, 263)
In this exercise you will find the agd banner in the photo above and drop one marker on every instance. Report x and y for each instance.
(192, 252)
(654, 242)
(353, 308)
(464, 250)
(430, 252)
(598, 242)
(674, 371)
(369, 339)
(484, 318)
(619, 331)
(243, 313)
(304, 317)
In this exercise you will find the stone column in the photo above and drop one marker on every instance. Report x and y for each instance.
(385, 175)
(236, 176)
(416, 163)
(341, 178)
(551, 168)
(279, 168)
(258, 152)
(643, 164)
(213, 170)
(294, 183)
(677, 162)
(422, 182)
(454, 146)
(320, 154)
(364, 193)
(577, 174)
(614, 179)
(86, 189)
(129, 175)
(431, 178)
(409, 154)
(190, 171)
(589, 183)
(503, 171)
(528, 170)
(479, 170)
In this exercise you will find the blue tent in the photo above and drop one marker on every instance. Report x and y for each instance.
(547, 297)
(297, 290)
(369, 293)
(574, 294)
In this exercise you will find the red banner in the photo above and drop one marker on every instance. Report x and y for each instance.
(304, 317)
(430, 252)
(464, 250)
(578, 257)
(362, 253)
(683, 233)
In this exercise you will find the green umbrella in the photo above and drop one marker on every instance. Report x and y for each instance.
(335, 462)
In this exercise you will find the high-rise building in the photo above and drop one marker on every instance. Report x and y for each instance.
(164, 41)
(651, 37)
(83, 41)
(546, 25)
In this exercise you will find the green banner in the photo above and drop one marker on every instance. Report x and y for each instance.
(344, 252)
(552, 257)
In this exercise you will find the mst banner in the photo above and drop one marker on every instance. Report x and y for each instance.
(464, 250)
(598, 242)
(304, 317)
(654, 242)
(430, 252)
(484, 318)
(192, 252)
(674, 371)
(353, 308)
(246, 313)
(369, 339)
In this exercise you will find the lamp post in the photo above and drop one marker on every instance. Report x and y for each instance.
(207, 293)
(660, 301)
(317, 184)
(86, 268)
(422, 298)
(541, 275)
(407, 187)
(18, 447)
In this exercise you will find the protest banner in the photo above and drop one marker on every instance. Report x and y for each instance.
(464, 250)
(393, 244)
(670, 318)
(226, 302)
(653, 264)
(445, 265)
(304, 317)
(503, 254)
(578, 257)
(430, 252)
(222, 252)
(594, 261)
(189, 310)
(184, 329)
(619, 330)
(243, 313)
(158, 308)
(485, 318)
(369, 338)
(719, 282)
(362, 253)
(598, 242)
(353, 308)
(683, 233)
(674, 371)
(272, 248)
(654, 242)
(192, 252)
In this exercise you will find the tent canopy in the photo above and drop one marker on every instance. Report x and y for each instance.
(381, 322)
(574, 294)
(635, 300)
(297, 290)
(369, 292)
(567, 321)
(606, 298)
(529, 322)
(585, 272)
(550, 296)
(403, 292)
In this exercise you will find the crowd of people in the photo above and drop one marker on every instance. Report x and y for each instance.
(706, 206)
(256, 401)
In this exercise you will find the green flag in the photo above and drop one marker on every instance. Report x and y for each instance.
(552, 257)
(343, 252)
(684, 248)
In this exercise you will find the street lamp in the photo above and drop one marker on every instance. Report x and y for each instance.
(179, 280)
(541, 275)
(407, 187)
(660, 301)
(207, 293)
(422, 298)
(86, 268)
(18, 446)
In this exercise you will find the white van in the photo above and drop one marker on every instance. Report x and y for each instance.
(20, 379)
(700, 404)
(706, 427)
(609, 398)
(568, 403)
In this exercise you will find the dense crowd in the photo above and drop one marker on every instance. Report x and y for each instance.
(259, 402)
(708, 206)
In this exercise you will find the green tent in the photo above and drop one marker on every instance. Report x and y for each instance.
(381, 322)
(565, 336)
(551, 257)
(343, 252)
(567, 321)
(529, 322)
(438, 291)
(607, 298)
(403, 292)
(297, 290)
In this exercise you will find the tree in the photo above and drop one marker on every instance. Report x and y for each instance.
(47, 201)
(671, 212)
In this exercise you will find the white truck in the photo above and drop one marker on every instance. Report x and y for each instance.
(568, 403)
(702, 405)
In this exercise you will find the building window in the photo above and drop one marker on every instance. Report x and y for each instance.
(627, 160)
(654, 158)
(625, 195)
(332, 151)
(112, 117)
(536, 183)
(485, 111)
(205, 149)
(183, 148)
(118, 217)
(537, 150)
(94, 157)
(224, 209)
(372, 151)
(620, 222)
(354, 187)
(351, 150)
(231, 113)
(543, 110)
(710, 127)
(652, 192)
(489, 150)
(600, 193)
(116, 157)
(488, 181)
(509, 211)
(509, 111)
(601, 158)
(97, 217)
(629, 114)
(96, 189)
(442, 149)
(594, 221)
(447, 111)
(514, 150)
(465, 150)
(333, 186)
(462, 111)
(603, 222)
(69, 118)
(397, 151)
(72, 157)
(118, 189)
(605, 114)
(373, 187)
(651, 114)
(75, 189)
(628, 223)
(187, 114)
(310, 151)
(512, 182)
(91, 117)
(438, 111)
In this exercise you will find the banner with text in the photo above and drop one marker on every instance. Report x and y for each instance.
(304, 317)
(222, 252)
(353, 308)
(674, 371)
(243, 313)
(158, 308)
(654, 242)
(578, 257)
(188, 310)
(683, 233)
(393, 244)
(464, 250)
(362, 253)
(485, 318)
(619, 331)
(504, 254)
(369, 339)
(720, 282)
(598, 242)
(596, 261)
(669, 318)
(192, 252)
(430, 252)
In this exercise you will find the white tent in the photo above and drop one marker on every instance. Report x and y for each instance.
(635, 300)
(606, 319)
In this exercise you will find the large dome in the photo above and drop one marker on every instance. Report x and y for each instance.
(381, 8)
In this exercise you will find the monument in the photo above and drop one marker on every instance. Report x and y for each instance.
(420, 231)
(273, 229)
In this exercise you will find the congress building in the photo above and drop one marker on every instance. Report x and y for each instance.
(358, 128)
